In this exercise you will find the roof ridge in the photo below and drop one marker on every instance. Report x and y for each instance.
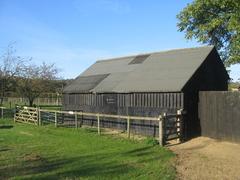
(150, 53)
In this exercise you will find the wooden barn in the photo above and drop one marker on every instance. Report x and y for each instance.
(148, 85)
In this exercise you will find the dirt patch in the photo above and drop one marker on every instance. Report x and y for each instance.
(26, 133)
(122, 134)
(205, 158)
(32, 157)
(119, 133)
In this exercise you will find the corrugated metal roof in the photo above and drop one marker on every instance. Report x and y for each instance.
(159, 72)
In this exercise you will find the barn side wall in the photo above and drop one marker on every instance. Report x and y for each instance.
(210, 76)
(133, 104)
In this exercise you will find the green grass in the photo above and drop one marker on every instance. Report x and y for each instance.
(53, 107)
(31, 152)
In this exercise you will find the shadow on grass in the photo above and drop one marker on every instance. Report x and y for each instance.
(6, 126)
(4, 149)
(105, 165)
(97, 165)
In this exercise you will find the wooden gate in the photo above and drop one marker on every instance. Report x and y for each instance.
(26, 115)
(173, 126)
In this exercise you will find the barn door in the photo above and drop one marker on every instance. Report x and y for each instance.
(110, 103)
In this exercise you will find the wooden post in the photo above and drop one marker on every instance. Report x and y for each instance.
(2, 112)
(76, 122)
(98, 121)
(161, 129)
(179, 124)
(15, 113)
(55, 119)
(81, 119)
(39, 117)
(128, 127)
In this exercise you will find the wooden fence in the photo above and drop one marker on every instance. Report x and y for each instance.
(6, 112)
(167, 131)
(219, 114)
(53, 101)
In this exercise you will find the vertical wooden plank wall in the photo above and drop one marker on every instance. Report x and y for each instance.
(219, 114)
(161, 100)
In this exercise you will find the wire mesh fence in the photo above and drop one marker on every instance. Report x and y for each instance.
(164, 127)
(7, 112)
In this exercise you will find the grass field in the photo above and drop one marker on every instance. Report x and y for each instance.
(31, 152)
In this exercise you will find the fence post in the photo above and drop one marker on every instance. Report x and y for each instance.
(179, 124)
(14, 116)
(39, 117)
(76, 122)
(15, 113)
(81, 119)
(161, 129)
(98, 121)
(128, 126)
(55, 119)
(2, 112)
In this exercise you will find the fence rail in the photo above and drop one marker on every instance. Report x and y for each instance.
(62, 118)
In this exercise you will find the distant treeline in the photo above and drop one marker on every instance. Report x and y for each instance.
(54, 89)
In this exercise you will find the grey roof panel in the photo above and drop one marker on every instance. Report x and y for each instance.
(109, 84)
(84, 83)
(110, 66)
(158, 72)
(168, 71)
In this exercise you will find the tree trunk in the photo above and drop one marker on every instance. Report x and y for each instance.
(31, 102)
(3, 90)
(1, 101)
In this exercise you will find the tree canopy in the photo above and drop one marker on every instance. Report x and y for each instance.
(10, 67)
(214, 22)
(34, 80)
(20, 75)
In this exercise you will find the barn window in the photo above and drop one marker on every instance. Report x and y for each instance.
(139, 59)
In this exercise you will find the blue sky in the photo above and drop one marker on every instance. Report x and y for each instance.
(73, 34)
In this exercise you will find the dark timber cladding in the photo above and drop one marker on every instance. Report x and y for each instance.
(148, 85)
(159, 100)
(219, 114)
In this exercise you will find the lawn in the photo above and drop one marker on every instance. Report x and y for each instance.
(31, 152)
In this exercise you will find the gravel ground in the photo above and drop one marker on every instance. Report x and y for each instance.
(205, 158)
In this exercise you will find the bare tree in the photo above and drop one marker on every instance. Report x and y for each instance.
(10, 67)
(35, 80)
